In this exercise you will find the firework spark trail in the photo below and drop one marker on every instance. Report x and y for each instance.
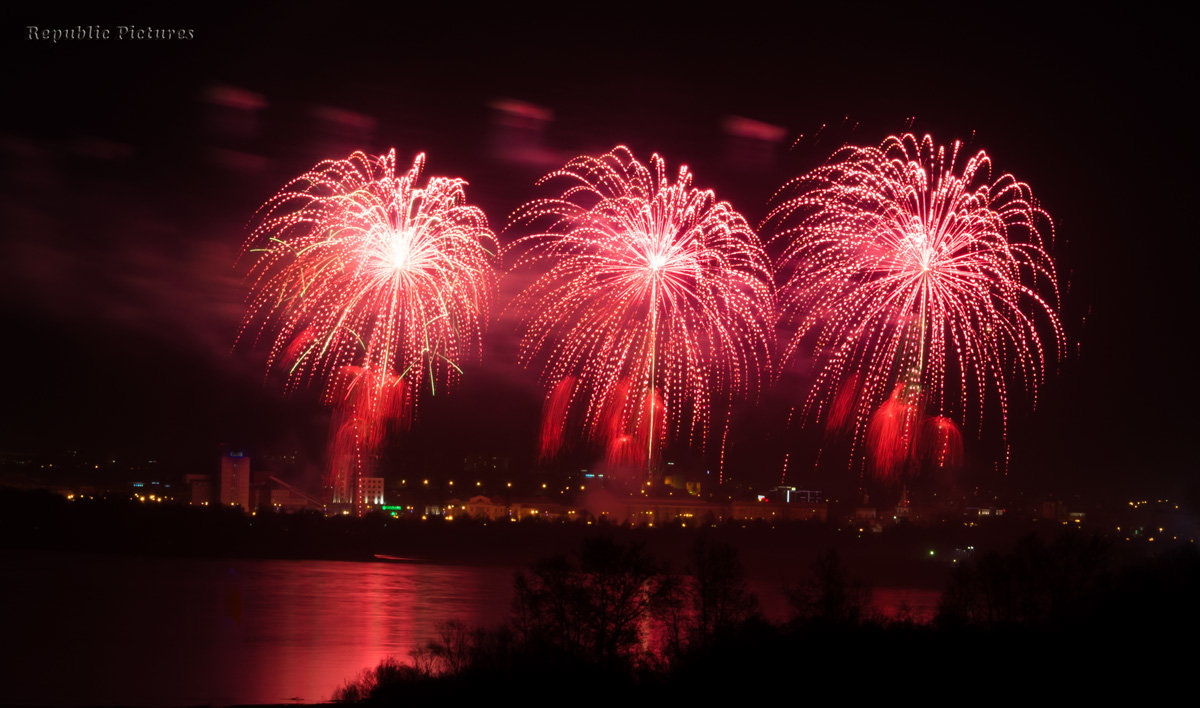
(841, 411)
(907, 265)
(657, 297)
(724, 447)
(362, 273)
(891, 434)
(554, 417)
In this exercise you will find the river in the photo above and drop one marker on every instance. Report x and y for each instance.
(124, 630)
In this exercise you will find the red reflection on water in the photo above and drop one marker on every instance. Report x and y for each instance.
(336, 619)
(173, 632)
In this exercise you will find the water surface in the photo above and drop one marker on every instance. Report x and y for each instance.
(97, 630)
(84, 629)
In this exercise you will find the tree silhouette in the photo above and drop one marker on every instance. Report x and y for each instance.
(590, 606)
(830, 597)
(719, 593)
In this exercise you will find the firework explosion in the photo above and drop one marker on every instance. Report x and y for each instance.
(912, 275)
(372, 287)
(655, 303)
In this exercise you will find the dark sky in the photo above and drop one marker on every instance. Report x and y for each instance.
(129, 169)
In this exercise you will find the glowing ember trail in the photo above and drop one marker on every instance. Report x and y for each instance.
(941, 443)
(655, 300)
(920, 284)
(372, 286)
(554, 416)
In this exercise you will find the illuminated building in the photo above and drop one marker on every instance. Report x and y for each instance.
(373, 491)
(481, 507)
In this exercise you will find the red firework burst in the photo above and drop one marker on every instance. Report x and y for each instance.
(656, 300)
(363, 275)
(914, 272)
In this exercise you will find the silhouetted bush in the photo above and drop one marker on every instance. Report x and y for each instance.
(389, 672)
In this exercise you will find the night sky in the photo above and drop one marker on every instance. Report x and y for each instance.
(130, 168)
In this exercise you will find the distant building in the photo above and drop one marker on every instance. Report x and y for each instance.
(805, 496)
(481, 507)
(199, 489)
(643, 510)
(373, 491)
(540, 509)
(235, 480)
(865, 513)
(791, 495)
(284, 496)
(903, 510)
(777, 511)
(286, 499)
